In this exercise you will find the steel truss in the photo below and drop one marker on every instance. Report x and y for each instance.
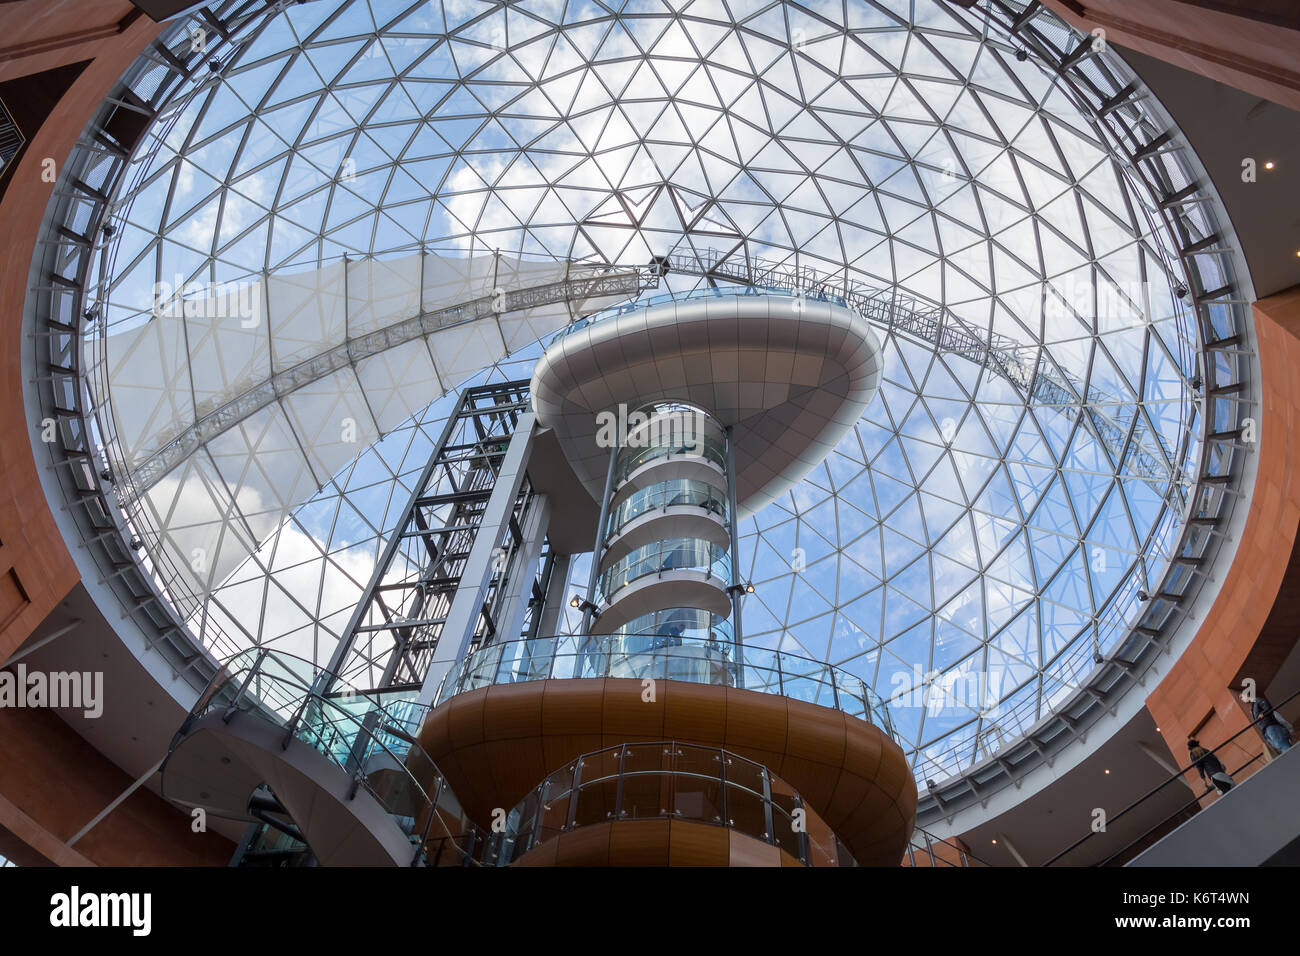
(11, 139)
(394, 630)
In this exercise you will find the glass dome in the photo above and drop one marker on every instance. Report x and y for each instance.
(987, 526)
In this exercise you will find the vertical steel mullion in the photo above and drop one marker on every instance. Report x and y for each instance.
(722, 775)
(618, 793)
(768, 821)
(572, 816)
(736, 588)
(600, 541)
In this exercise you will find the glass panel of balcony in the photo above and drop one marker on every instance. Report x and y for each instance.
(658, 557)
(679, 492)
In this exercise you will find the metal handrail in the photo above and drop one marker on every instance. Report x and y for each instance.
(346, 738)
(930, 840)
(1177, 776)
(687, 554)
(1196, 798)
(574, 656)
(525, 827)
(706, 448)
(673, 493)
(718, 292)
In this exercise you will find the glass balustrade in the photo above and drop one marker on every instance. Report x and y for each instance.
(370, 736)
(675, 781)
(660, 557)
(695, 660)
(705, 442)
(672, 625)
(726, 292)
(679, 492)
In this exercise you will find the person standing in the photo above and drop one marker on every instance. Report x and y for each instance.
(1275, 730)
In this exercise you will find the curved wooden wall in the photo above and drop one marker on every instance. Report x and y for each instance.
(655, 843)
(496, 743)
(1249, 629)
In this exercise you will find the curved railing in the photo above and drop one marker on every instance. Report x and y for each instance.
(673, 781)
(660, 557)
(368, 735)
(699, 446)
(672, 625)
(699, 662)
(722, 292)
(667, 494)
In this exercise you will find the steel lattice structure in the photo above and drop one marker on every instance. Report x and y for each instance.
(1029, 464)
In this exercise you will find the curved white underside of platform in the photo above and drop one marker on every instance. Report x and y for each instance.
(218, 765)
(790, 381)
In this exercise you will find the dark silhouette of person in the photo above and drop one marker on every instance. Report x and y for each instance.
(670, 635)
(1209, 766)
(1274, 729)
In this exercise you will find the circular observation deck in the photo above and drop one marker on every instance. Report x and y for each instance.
(789, 375)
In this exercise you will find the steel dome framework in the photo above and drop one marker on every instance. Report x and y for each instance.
(979, 546)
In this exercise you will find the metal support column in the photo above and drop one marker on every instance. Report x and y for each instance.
(348, 640)
(594, 576)
(737, 588)
(396, 627)
(553, 609)
(467, 605)
(519, 584)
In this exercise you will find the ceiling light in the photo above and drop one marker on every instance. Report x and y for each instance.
(1270, 164)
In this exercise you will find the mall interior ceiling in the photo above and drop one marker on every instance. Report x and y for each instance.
(1044, 513)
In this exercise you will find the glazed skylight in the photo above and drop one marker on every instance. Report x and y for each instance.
(971, 525)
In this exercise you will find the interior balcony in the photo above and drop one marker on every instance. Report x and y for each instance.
(667, 803)
(345, 774)
(515, 713)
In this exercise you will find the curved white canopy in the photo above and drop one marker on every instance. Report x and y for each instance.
(234, 404)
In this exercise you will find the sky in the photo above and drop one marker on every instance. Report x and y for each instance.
(964, 526)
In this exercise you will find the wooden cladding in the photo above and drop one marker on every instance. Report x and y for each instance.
(13, 598)
(497, 743)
